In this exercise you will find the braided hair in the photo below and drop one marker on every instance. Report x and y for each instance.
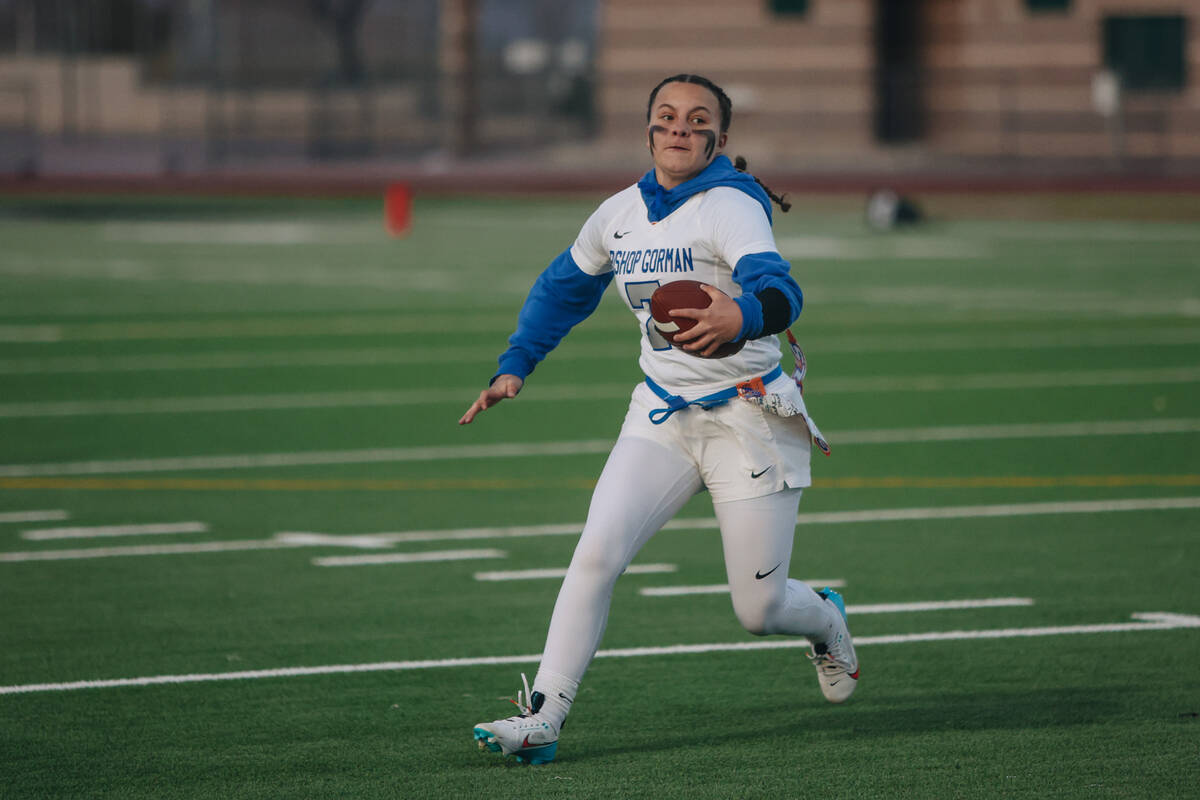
(725, 105)
(739, 164)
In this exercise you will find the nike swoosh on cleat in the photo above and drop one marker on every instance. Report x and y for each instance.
(526, 743)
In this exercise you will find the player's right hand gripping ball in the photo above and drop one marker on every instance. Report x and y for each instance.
(684, 294)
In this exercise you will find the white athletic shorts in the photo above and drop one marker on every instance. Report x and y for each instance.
(740, 450)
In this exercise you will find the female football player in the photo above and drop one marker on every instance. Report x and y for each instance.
(734, 426)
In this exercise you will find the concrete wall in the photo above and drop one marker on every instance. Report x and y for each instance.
(1001, 87)
(801, 87)
(1000, 83)
(98, 96)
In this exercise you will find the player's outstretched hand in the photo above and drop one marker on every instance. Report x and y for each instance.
(504, 386)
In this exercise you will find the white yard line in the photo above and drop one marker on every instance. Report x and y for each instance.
(225, 233)
(234, 359)
(327, 540)
(150, 550)
(100, 531)
(1006, 380)
(1039, 302)
(1036, 430)
(1002, 340)
(31, 333)
(877, 608)
(559, 572)
(1058, 230)
(1001, 510)
(33, 516)
(340, 357)
(296, 272)
(939, 605)
(281, 541)
(318, 457)
(230, 304)
(576, 392)
(408, 558)
(244, 402)
(297, 539)
(457, 534)
(812, 518)
(401, 321)
(723, 588)
(1144, 622)
(924, 248)
(582, 447)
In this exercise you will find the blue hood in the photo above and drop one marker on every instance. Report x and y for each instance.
(661, 202)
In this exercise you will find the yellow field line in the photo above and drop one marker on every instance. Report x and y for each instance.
(1009, 482)
(291, 484)
(508, 484)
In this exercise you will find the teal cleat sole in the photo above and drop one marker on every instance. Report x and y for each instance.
(538, 755)
(542, 754)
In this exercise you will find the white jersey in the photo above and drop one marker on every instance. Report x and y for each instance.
(701, 240)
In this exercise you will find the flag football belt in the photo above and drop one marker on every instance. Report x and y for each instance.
(755, 387)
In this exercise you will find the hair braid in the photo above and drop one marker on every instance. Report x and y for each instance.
(739, 164)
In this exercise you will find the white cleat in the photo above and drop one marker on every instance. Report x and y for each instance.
(835, 660)
(527, 736)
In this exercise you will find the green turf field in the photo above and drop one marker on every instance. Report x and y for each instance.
(214, 411)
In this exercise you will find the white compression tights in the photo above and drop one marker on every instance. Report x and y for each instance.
(642, 486)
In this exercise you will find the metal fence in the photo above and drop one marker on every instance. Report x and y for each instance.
(221, 80)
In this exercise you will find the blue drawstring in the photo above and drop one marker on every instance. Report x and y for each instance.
(676, 403)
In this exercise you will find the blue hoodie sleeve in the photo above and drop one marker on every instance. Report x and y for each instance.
(771, 300)
(561, 298)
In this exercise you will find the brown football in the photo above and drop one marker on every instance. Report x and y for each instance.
(684, 294)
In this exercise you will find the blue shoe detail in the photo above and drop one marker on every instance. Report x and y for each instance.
(543, 754)
(835, 598)
(482, 737)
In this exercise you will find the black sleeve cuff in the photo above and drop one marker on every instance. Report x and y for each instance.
(777, 312)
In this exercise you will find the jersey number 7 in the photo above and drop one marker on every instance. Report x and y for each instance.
(639, 297)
